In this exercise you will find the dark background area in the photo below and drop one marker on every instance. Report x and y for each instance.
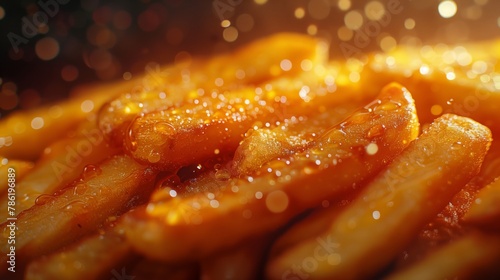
(86, 41)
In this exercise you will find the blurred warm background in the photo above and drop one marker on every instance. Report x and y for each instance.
(50, 46)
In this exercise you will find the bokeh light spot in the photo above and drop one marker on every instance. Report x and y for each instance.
(374, 10)
(69, 73)
(409, 23)
(245, 22)
(312, 29)
(353, 20)
(37, 123)
(127, 76)
(47, 48)
(87, 106)
(277, 201)
(447, 8)
(299, 13)
(344, 33)
(225, 23)
(344, 5)
(230, 34)
(388, 43)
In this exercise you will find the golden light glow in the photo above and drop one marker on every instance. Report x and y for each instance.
(447, 8)
(344, 5)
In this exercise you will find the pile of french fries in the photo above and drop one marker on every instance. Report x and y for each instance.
(271, 162)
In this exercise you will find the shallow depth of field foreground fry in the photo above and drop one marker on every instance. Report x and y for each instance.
(383, 219)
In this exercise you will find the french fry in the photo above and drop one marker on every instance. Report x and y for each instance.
(485, 210)
(259, 64)
(91, 258)
(174, 85)
(310, 226)
(448, 225)
(63, 162)
(171, 138)
(415, 187)
(110, 189)
(440, 85)
(49, 123)
(343, 157)
(474, 256)
(195, 132)
(265, 144)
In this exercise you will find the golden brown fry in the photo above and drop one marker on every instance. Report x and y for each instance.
(195, 132)
(310, 226)
(443, 86)
(175, 85)
(485, 210)
(294, 135)
(51, 122)
(94, 257)
(448, 225)
(110, 189)
(343, 157)
(393, 207)
(259, 64)
(210, 125)
(215, 124)
(62, 163)
(474, 256)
